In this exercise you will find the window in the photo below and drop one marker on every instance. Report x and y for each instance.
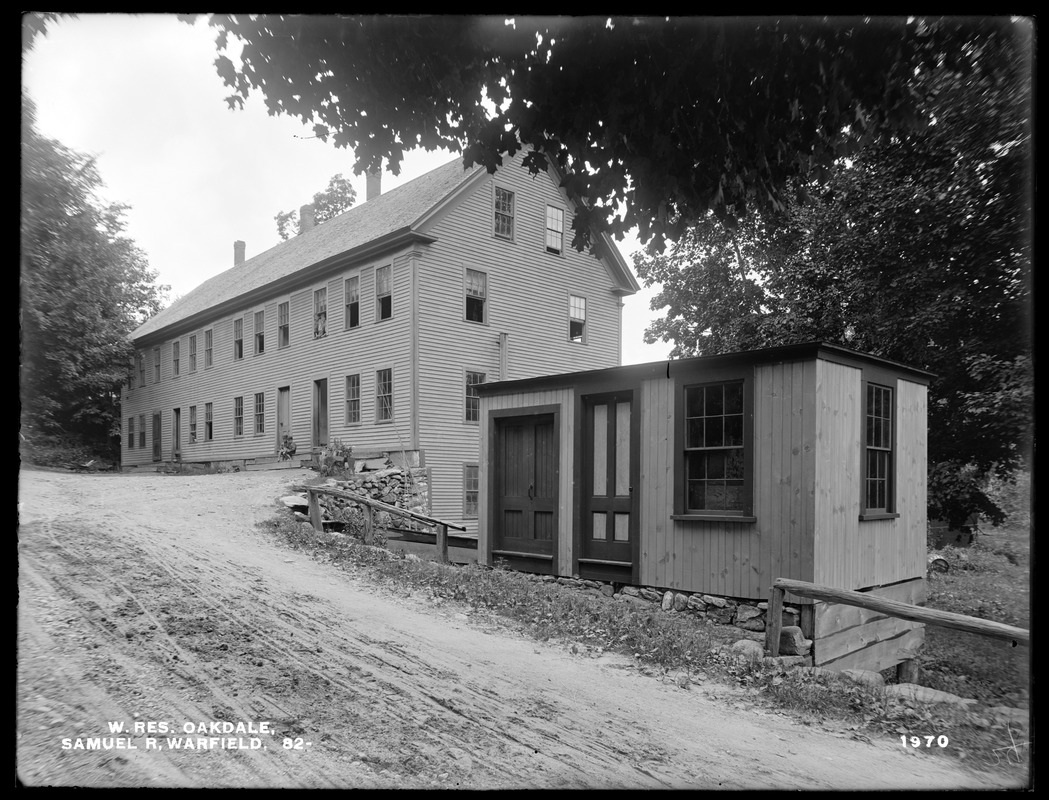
(353, 302)
(353, 399)
(209, 427)
(476, 295)
(238, 416)
(384, 395)
(878, 450)
(156, 365)
(555, 229)
(504, 213)
(260, 332)
(713, 465)
(576, 318)
(207, 349)
(320, 313)
(260, 412)
(192, 424)
(141, 431)
(175, 350)
(283, 325)
(192, 353)
(238, 339)
(473, 400)
(383, 293)
(141, 359)
(130, 433)
(471, 490)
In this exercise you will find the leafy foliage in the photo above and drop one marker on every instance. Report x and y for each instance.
(651, 121)
(338, 197)
(84, 287)
(917, 250)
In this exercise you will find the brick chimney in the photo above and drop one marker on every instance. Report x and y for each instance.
(373, 185)
(306, 220)
(238, 252)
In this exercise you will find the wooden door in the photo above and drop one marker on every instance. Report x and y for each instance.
(320, 412)
(610, 467)
(526, 472)
(156, 436)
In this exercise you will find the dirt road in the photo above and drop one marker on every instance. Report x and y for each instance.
(153, 602)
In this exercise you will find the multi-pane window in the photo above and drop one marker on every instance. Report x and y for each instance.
(504, 213)
(353, 302)
(141, 359)
(130, 433)
(260, 332)
(209, 423)
(714, 448)
(476, 295)
(192, 424)
(156, 365)
(555, 229)
(175, 353)
(283, 324)
(471, 490)
(383, 293)
(238, 416)
(473, 400)
(238, 338)
(576, 318)
(353, 399)
(320, 313)
(207, 348)
(384, 395)
(193, 353)
(260, 412)
(141, 431)
(879, 437)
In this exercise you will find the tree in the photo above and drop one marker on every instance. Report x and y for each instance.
(918, 250)
(84, 287)
(338, 197)
(652, 122)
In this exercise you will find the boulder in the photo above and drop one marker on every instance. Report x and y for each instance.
(865, 677)
(923, 694)
(695, 603)
(680, 601)
(748, 650)
(668, 601)
(792, 642)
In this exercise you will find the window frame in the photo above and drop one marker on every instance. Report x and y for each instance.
(192, 425)
(379, 384)
(388, 295)
(320, 306)
(468, 295)
(192, 353)
(560, 232)
(582, 339)
(881, 379)
(238, 417)
(156, 365)
(353, 419)
(716, 377)
(176, 357)
(473, 479)
(238, 338)
(284, 325)
(467, 397)
(348, 312)
(259, 414)
(131, 432)
(209, 348)
(141, 358)
(258, 337)
(499, 212)
(141, 431)
(209, 422)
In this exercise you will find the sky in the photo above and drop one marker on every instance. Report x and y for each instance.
(141, 94)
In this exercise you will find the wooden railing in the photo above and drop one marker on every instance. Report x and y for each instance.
(930, 616)
(369, 507)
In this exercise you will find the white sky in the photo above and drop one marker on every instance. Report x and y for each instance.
(140, 93)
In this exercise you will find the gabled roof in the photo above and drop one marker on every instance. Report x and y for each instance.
(392, 219)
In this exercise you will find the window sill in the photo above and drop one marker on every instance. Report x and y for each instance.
(712, 518)
(878, 515)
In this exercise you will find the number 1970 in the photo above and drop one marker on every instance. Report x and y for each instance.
(917, 741)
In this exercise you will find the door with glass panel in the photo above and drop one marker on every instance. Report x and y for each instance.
(609, 520)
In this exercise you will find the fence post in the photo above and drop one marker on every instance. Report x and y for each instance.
(369, 521)
(442, 543)
(774, 621)
(315, 510)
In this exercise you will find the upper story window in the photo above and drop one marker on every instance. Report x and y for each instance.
(879, 441)
(476, 295)
(208, 338)
(320, 313)
(576, 318)
(283, 325)
(176, 348)
(193, 353)
(353, 399)
(238, 338)
(353, 302)
(555, 229)
(156, 365)
(383, 293)
(238, 416)
(504, 213)
(384, 395)
(141, 359)
(473, 400)
(260, 332)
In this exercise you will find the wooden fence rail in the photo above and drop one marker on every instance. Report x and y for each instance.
(930, 616)
(369, 507)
